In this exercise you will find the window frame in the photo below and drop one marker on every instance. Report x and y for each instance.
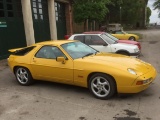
(51, 48)
(92, 40)
(83, 41)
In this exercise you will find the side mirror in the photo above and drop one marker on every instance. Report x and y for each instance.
(61, 59)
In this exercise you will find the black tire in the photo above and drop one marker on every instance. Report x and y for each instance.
(102, 86)
(23, 76)
(123, 53)
(132, 38)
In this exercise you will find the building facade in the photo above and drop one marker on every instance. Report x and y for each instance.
(25, 22)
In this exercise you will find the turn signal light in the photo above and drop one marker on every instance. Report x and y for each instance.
(143, 82)
(139, 83)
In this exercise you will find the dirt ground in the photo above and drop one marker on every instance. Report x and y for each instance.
(52, 101)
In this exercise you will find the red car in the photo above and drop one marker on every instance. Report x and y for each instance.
(116, 39)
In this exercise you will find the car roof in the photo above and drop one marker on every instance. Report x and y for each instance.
(93, 32)
(54, 42)
(87, 33)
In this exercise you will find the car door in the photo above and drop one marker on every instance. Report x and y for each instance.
(121, 35)
(46, 67)
(97, 43)
(80, 38)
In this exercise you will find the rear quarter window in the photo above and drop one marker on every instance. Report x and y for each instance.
(23, 51)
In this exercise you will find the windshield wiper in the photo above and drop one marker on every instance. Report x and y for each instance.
(88, 55)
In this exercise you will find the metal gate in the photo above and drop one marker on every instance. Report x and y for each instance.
(12, 34)
(40, 20)
(60, 20)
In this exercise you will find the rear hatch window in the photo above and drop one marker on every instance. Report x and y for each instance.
(23, 51)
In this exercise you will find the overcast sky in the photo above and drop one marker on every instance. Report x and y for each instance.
(154, 16)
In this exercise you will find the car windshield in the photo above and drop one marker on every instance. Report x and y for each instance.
(107, 39)
(112, 37)
(78, 49)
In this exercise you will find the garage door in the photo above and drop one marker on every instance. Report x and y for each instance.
(12, 34)
(40, 20)
(60, 20)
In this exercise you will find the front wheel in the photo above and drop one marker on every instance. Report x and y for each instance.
(102, 86)
(132, 38)
(23, 76)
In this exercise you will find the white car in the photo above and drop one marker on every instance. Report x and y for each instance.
(103, 43)
(114, 27)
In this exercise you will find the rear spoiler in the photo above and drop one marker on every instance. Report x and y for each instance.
(15, 50)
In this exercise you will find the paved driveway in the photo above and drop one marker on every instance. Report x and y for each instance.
(52, 101)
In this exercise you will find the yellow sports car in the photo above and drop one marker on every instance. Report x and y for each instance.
(125, 36)
(74, 63)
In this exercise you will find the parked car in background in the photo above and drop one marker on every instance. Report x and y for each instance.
(125, 36)
(114, 27)
(104, 43)
(116, 39)
(74, 63)
(111, 27)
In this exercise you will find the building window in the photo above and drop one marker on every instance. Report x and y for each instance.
(59, 11)
(10, 8)
(37, 9)
(56, 11)
(10, 12)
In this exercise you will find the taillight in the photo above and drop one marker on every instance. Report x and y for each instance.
(66, 37)
(139, 46)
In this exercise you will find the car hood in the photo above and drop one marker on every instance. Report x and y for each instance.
(119, 62)
(124, 46)
(128, 42)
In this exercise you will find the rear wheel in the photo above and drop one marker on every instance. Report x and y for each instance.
(102, 86)
(123, 53)
(23, 76)
(132, 38)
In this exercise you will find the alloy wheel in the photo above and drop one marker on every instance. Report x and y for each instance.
(100, 86)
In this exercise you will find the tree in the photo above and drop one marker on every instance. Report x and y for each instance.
(114, 11)
(156, 6)
(148, 14)
(128, 12)
(84, 10)
(130, 8)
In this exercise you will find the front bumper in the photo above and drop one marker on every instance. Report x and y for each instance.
(135, 54)
(138, 88)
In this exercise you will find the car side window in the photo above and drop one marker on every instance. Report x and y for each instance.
(94, 40)
(119, 32)
(80, 38)
(49, 52)
(88, 40)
